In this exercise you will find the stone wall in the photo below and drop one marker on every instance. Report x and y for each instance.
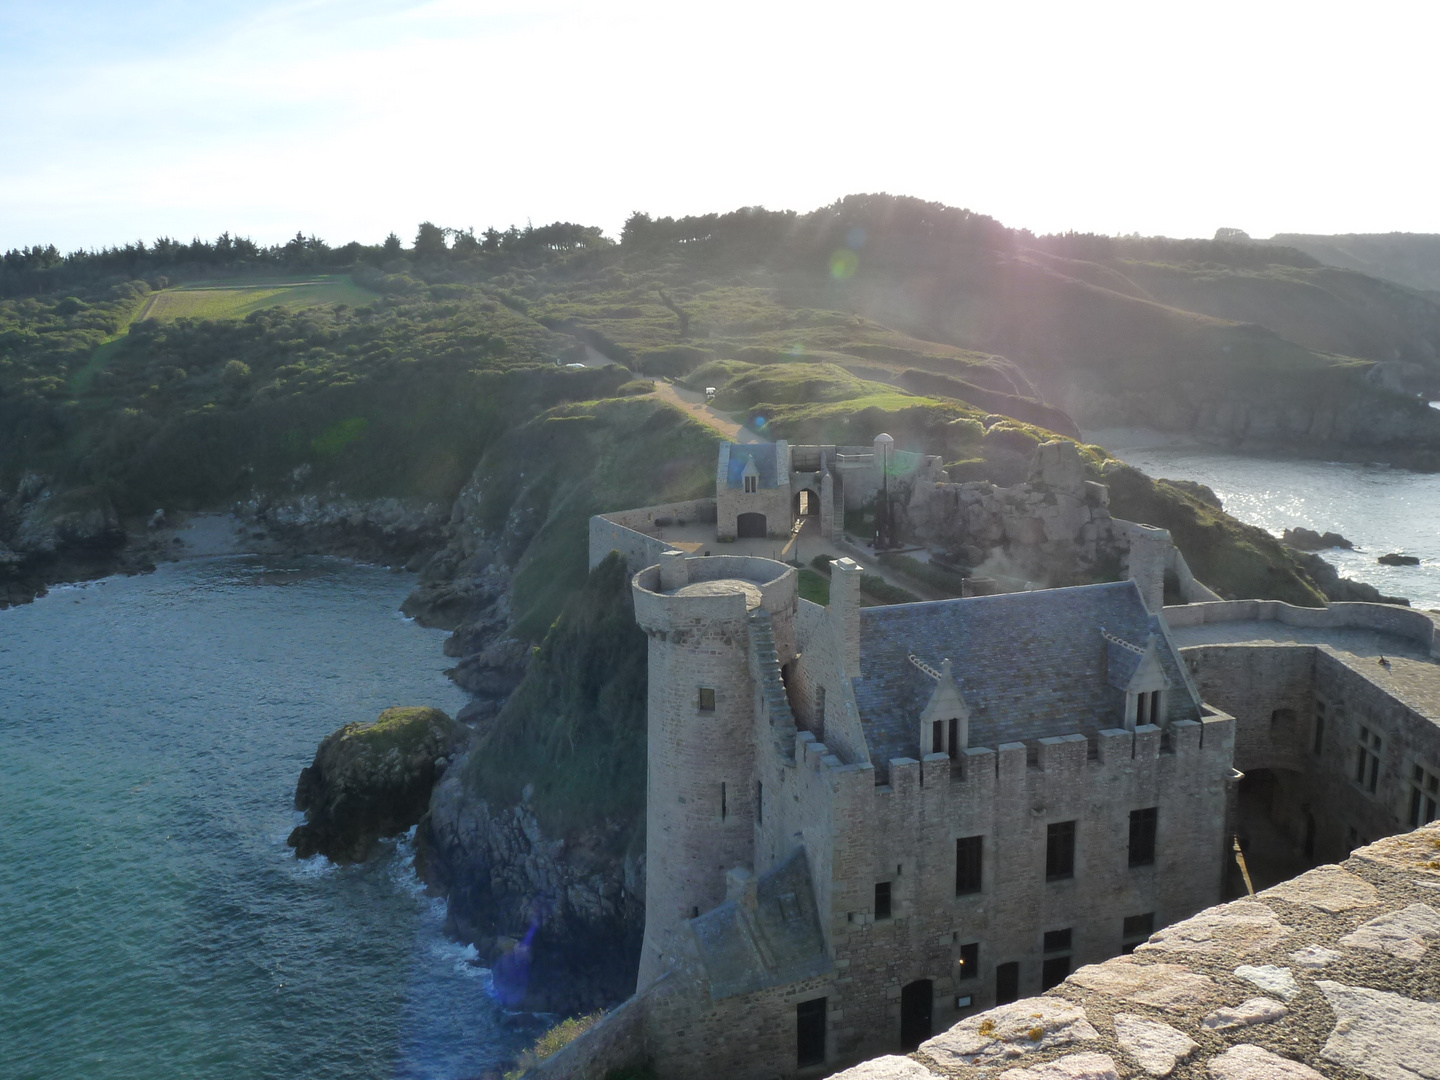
(628, 531)
(699, 799)
(1404, 622)
(1279, 693)
(1332, 974)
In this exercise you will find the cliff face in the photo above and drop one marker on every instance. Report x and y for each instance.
(558, 919)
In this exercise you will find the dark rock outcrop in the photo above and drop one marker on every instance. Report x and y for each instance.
(402, 532)
(559, 919)
(50, 534)
(1396, 559)
(1303, 539)
(372, 780)
(1342, 589)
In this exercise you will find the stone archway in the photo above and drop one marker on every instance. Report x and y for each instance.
(750, 526)
(806, 504)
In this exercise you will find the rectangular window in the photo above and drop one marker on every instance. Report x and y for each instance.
(970, 961)
(759, 802)
(1007, 982)
(1367, 760)
(1142, 836)
(810, 1033)
(723, 807)
(751, 484)
(1060, 851)
(954, 737)
(1057, 940)
(1424, 793)
(707, 699)
(937, 737)
(1135, 929)
(1053, 971)
(1319, 743)
(882, 900)
(968, 855)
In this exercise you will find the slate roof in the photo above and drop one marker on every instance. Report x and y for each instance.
(778, 942)
(1121, 664)
(1029, 664)
(764, 455)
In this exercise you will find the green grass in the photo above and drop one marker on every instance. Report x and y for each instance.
(937, 577)
(236, 299)
(575, 727)
(814, 586)
(400, 728)
(553, 1041)
(880, 590)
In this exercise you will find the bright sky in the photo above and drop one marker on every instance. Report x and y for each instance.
(350, 118)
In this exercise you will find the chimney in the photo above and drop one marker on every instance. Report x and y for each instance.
(845, 610)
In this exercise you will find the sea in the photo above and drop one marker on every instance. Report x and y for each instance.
(152, 921)
(1377, 508)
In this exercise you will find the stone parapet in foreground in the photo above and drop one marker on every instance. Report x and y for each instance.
(1334, 974)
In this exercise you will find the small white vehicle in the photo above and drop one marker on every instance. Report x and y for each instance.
(709, 393)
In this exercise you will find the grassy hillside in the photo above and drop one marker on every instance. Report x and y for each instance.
(575, 728)
(236, 299)
(1410, 259)
(393, 371)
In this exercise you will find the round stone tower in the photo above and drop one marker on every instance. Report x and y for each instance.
(700, 801)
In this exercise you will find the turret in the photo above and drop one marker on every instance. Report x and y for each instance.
(700, 806)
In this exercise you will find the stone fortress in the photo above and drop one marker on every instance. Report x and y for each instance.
(866, 824)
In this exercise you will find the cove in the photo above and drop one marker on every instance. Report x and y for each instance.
(152, 920)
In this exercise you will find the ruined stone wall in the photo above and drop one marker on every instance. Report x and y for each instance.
(1047, 534)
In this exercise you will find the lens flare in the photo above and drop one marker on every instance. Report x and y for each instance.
(843, 264)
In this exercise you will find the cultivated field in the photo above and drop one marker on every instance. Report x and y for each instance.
(236, 299)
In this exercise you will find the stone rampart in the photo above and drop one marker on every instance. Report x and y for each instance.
(618, 1041)
(628, 531)
(1386, 618)
(1330, 975)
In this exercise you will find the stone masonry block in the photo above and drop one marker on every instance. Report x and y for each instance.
(1147, 742)
(1185, 737)
(1116, 745)
(1063, 753)
(1011, 767)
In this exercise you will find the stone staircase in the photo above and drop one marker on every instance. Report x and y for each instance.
(766, 661)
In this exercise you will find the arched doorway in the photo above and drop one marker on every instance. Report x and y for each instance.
(750, 526)
(807, 503)
(917, 1002)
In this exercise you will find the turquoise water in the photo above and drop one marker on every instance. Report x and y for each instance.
(1377, 508)
(152, 921)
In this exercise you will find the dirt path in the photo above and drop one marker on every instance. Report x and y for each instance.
(693, 403)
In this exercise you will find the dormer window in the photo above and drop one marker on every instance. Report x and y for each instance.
(1147, 707)
(750, 476)
(1137, 671)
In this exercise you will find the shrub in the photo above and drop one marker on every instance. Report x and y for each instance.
(880, 589)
